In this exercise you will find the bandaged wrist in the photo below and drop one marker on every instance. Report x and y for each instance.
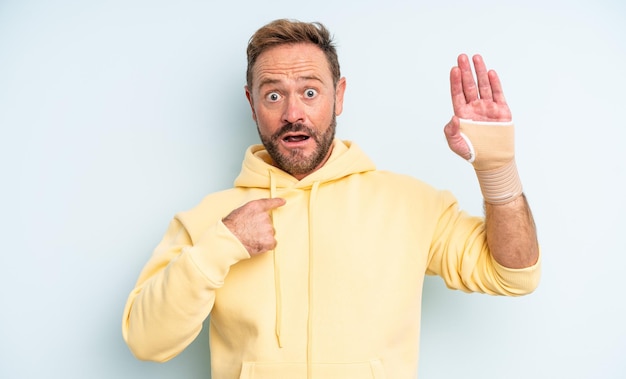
(501, 185)
(492, 148)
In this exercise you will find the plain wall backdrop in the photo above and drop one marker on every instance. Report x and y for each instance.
(117, 114)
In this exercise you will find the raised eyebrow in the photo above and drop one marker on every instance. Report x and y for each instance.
(270, 81)
(310, 78)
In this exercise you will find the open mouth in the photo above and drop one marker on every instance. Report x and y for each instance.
(295, 138)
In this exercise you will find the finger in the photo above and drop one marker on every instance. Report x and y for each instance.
(455, 140)
(484, 85)
(467, 79)
(456, 90)
(496, 87)
(452, 127)
(269, 204)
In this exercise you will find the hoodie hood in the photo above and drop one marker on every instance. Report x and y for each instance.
(346, 158)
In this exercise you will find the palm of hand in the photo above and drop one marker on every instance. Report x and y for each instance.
(476, 100)
(479, 102)
(484, 110)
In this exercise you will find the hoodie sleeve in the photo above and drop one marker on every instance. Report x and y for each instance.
(175, 291)
(460, 255)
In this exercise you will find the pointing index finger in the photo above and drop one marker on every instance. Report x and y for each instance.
(273, 203)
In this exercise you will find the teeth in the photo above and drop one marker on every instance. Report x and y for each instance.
(296, 138)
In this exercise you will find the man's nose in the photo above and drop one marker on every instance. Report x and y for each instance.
(294, 110)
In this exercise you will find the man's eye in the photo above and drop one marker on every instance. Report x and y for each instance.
(310, 93)
(273, 96)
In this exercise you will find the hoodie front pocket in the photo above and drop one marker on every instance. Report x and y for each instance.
(353, 370)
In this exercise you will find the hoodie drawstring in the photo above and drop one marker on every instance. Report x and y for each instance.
(309, 347)
(277, 285)
(277, 274)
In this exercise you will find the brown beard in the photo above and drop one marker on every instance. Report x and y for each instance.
(295, 162)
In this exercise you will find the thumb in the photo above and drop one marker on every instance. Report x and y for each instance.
(456, 141)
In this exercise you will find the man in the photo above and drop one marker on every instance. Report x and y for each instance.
(312, 265)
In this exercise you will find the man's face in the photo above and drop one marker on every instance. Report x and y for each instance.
(294, 104)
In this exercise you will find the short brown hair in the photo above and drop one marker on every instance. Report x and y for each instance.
(284, 31)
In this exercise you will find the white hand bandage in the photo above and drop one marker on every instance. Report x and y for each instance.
(492, 148)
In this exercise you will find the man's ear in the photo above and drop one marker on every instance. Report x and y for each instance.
(339, 91)
(250, 101)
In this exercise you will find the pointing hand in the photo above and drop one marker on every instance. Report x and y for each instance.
(252, 224)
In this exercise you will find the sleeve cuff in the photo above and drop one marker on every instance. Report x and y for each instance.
(216, 251)
(519, 281)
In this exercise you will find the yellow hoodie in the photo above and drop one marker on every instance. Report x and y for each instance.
(339, 297)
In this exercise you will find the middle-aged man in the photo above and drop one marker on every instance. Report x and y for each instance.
(312, 266)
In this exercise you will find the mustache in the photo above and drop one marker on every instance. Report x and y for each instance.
(293, 127)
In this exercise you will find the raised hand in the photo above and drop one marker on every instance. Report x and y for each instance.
(252, 224)
(482, 102)
(477, 102)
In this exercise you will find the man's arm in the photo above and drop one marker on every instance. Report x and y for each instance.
(176, 289)
(481, 131)
(511, 233)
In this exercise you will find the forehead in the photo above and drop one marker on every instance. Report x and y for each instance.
(291, 61)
